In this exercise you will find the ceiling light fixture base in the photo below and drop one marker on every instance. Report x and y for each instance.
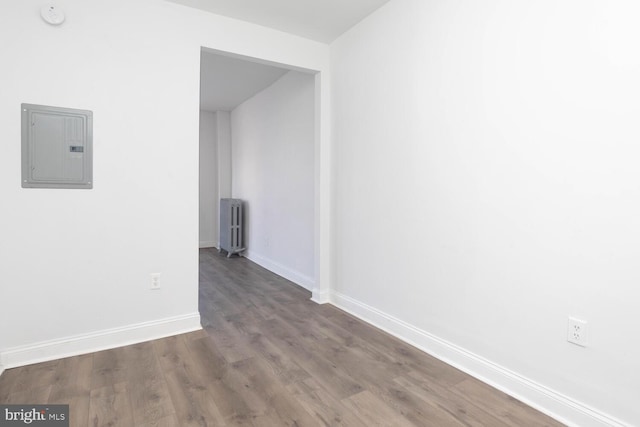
(52, 15)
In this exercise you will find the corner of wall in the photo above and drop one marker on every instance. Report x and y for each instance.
(321, 297)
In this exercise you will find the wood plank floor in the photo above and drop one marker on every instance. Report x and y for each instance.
(267, 357)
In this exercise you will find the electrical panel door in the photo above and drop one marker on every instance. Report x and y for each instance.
(56, 147)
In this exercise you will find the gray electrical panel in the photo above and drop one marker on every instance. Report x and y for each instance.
(57, 147)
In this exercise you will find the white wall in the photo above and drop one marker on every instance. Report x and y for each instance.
(208, 180)
(486, 158)
(224, 153)
(273, 171)
(75, 264)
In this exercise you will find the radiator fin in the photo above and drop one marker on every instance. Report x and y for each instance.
(231, 226)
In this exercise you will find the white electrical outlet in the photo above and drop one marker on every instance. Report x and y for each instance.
(155, 281)
(577, 331)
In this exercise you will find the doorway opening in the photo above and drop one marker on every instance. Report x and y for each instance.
(258, 143)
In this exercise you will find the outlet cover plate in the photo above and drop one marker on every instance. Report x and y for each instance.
(577, 331)
(155, 281)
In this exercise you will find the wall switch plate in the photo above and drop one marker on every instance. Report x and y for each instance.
(577, 331)
(155, 281)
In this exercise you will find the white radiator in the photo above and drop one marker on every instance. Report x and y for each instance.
(231, 226)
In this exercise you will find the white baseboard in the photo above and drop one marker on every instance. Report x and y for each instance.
(298, 278)
(550, 402)
(320, 297)
(208, 244)
(97, 341)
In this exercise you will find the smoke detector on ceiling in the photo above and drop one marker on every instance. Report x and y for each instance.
(52, 15)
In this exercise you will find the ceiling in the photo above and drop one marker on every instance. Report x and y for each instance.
(320, 20)
(226, 82)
